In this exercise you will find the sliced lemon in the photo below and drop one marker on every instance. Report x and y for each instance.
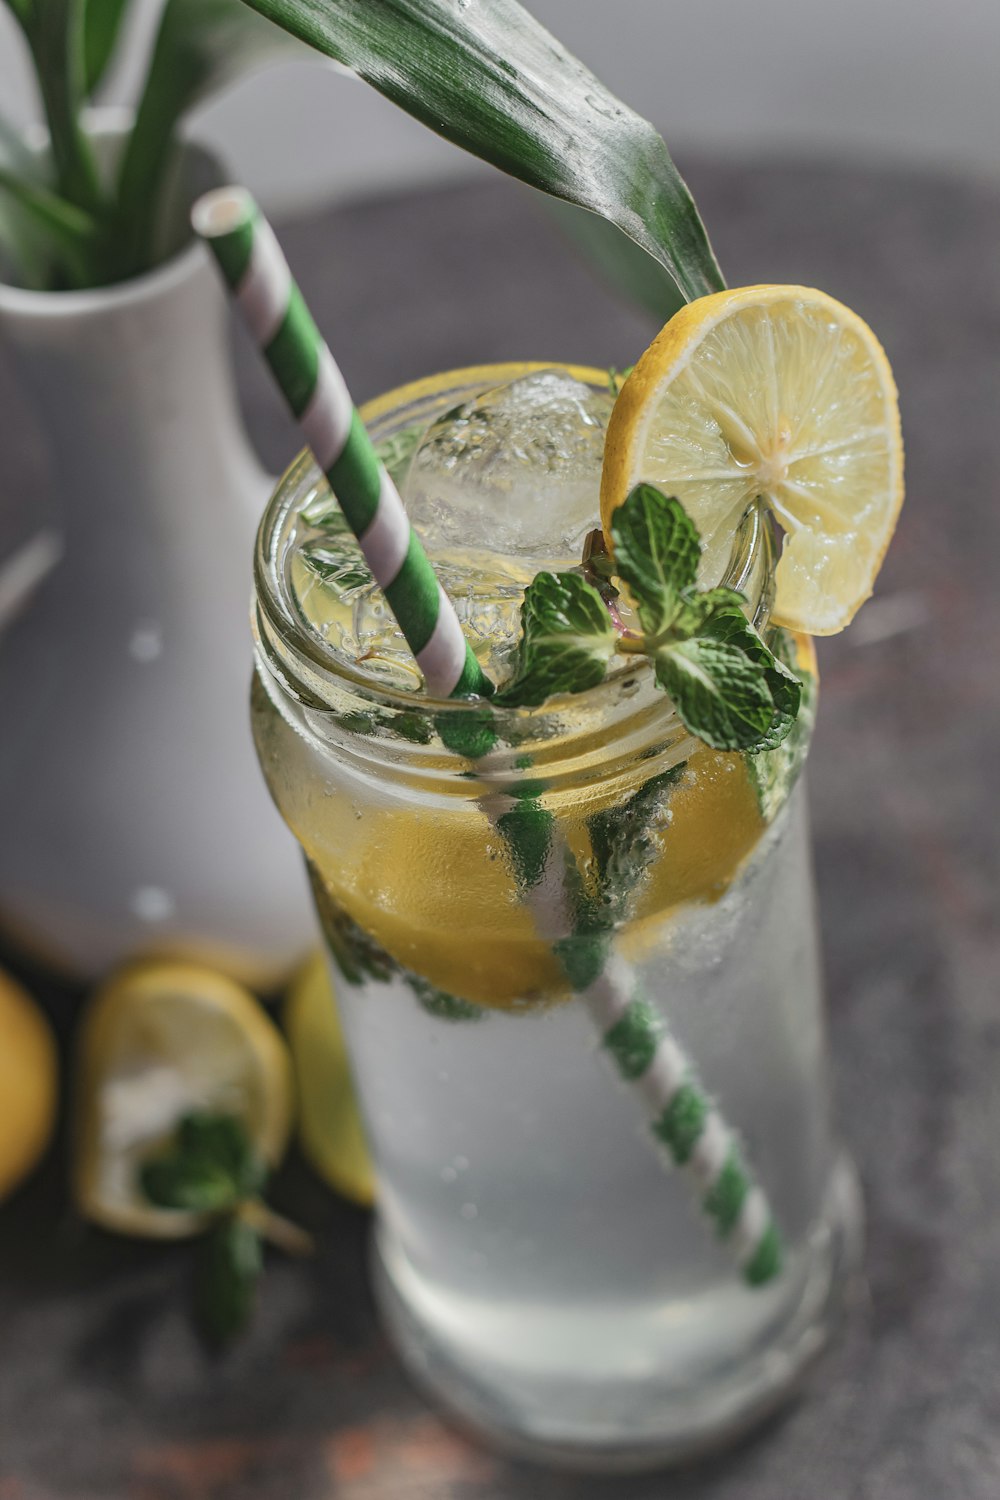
(28, 1084)
(330, 1130)
(159, 1041)
(779, 392)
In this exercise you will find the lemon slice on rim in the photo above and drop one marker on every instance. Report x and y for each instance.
(159, 1041)
(330, 1130)
(777, 392)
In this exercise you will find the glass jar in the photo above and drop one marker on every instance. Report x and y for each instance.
(562, 967)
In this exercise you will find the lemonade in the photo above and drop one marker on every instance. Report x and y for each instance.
(538, 1267)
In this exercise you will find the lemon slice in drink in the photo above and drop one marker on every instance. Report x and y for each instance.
(330, 1131)
(159, 1041)
(779, 392)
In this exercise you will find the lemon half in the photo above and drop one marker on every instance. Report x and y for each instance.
(159, 1041)
(779, 392)
(29, 1075)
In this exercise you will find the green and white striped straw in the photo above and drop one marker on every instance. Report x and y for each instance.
(684, 1121)
(273, 308)
(685, 1124)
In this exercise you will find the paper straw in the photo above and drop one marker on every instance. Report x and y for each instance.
(684, 1121)
(257, 273)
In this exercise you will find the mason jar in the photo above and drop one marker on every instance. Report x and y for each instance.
(577, 970)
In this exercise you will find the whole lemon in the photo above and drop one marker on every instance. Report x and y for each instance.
(28, 1084)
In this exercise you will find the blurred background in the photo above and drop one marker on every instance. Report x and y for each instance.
(910, 81)
(849, 146)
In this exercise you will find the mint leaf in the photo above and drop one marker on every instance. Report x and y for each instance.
(624, 842)
(696, 610)
(338, 562)
(731, 627)
(774, 770)
(656, 551)
(720, 694)
(228, 1272)
(209, 1166)
(567, 640)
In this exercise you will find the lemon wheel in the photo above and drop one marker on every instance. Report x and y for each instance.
(159, 1041)
(777, 392)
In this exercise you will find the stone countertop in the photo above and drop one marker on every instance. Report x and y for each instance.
(105, 1393)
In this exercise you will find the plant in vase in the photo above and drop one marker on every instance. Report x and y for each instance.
(134, 816)
(134, 833)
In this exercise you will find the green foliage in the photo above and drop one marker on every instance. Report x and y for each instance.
(492, 80)
(727, 686)
(566, 642)
(656, 551)
(337, 561)
(201, 46)
(102, 24)
(211, 1168)
(487, 77)
(228, 1274)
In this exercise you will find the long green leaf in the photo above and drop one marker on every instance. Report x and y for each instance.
(44, 225)
(22, 10)
(102, 24)
(201, 46)
(54, 30)
(627, 269)
(490, 78)
(23, 250)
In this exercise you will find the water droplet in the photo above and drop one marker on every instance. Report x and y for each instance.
(600, 106)
(150, 903)
(469, 1211)
(448, 1174)
(146, 642)
(461, 1163)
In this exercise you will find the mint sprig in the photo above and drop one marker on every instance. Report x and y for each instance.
(210, 1167)
(567, 640)
(728, 688)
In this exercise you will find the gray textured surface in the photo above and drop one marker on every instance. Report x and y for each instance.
(104, 1392)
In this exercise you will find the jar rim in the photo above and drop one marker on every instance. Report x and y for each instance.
(304, 666)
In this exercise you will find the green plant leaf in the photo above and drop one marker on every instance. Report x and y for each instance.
(41, 229)
(229, 1270)
(209, 1167)
(54, 32)
(22, 10)
(26, 248)
(626, 268)
(624, 842)
(338, 562)
(201, 46)
(102, 24)
(729, 625)
(567, 640)
(489, 78)
(719, 693)
(656, 553)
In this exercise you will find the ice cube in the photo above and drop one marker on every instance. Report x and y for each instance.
(515, 470)
(487, 601)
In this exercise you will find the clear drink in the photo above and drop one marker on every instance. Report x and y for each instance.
(538, 1265)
